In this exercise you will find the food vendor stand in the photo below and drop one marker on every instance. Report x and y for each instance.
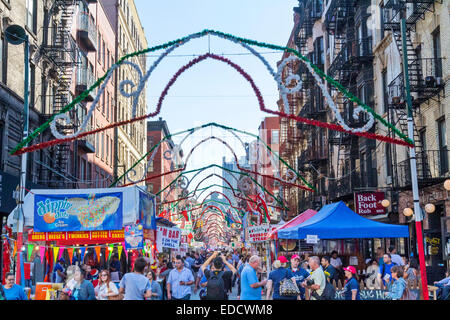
(281, 247)
(84, 225)
(336, 223)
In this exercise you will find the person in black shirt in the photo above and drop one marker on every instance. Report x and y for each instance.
(218, 273)
(195, 268)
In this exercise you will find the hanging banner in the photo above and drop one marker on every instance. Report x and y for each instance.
(78, 212)
(77, 237)
(134, 237)
(369, 203)
(259, 233)
(147, 210)
(167, 238)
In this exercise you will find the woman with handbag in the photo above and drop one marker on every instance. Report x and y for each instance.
(106, 289)
(282, 281)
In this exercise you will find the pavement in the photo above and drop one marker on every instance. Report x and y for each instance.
(232, 296)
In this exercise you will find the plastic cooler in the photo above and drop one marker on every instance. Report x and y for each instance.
(41, 290)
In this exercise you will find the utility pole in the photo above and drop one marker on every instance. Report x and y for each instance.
(16, 35)
(412, 155)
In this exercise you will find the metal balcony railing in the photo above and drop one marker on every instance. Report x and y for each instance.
(344, 186)
(432, 165)
(87, 31)
(425, 76)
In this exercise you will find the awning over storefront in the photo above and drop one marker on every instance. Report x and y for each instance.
(337, 221)
(302, 217)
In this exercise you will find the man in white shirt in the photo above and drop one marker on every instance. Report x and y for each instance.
(395, 258)
(335, 261)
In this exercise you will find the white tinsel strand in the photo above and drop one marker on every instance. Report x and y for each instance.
(333, 106)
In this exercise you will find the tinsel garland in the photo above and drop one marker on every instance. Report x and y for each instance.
(178, 42)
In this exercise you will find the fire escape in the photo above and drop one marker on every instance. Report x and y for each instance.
(311, 147)
(61, 51)
(350, 64)
(426, 83)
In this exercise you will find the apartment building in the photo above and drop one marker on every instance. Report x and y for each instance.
(428, 70)
(131, 138)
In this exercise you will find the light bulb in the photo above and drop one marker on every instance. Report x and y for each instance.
(385, 203)
(430, 208)
(408, 212)
(447, 184)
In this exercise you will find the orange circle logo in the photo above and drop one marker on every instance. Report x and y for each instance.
(49, 217)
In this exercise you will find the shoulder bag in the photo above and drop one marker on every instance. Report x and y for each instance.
(288, 288)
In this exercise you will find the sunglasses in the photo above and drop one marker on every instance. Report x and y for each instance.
(104, 275)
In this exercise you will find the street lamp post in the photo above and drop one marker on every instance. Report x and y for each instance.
(16, 35)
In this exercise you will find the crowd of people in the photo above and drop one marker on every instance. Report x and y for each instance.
(214, 274)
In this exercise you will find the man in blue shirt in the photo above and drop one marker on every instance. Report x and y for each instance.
(135, 285)
(58, 271)
(250, 286)
(179, 282)
(299, 274)
(384, 273)
(12, 290)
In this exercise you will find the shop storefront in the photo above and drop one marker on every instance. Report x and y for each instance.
(435, 202)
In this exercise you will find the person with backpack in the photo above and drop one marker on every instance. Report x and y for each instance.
(351, 288)
(384, 273)
(218, 281)
(276, 276)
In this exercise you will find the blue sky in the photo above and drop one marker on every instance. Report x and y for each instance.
(212, 91)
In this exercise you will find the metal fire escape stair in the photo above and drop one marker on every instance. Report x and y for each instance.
(63, 53)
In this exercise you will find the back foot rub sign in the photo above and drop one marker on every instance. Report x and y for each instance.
(78, 212)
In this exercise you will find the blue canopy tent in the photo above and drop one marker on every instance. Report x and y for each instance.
(337, 221)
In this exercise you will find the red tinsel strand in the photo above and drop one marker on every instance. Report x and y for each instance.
(258, 95)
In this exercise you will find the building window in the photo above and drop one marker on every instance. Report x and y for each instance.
(82, 169)
(150, 167)
(385, 91)
(388, 157)
(32, 15)
(442, 141)
(275, 137)
(102, 142)
(99, 49)
(437, 52)
(4, 59)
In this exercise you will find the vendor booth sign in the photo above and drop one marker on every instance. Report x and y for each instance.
(134, 237)
(147, 210)
(167, 238)
(259, 233)
(78, 236)
(369, 203)
(78, 212)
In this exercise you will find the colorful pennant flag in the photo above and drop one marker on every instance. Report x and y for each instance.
(111, 249)
(15, 249)
(55, 253)
(119, 249)
(70, 252)
(97, 251)
(61, 252)
(30, 251)
(83, 250)
(42, 254)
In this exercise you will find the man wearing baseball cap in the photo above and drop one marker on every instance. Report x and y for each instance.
(351, 289)
(299, 274)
